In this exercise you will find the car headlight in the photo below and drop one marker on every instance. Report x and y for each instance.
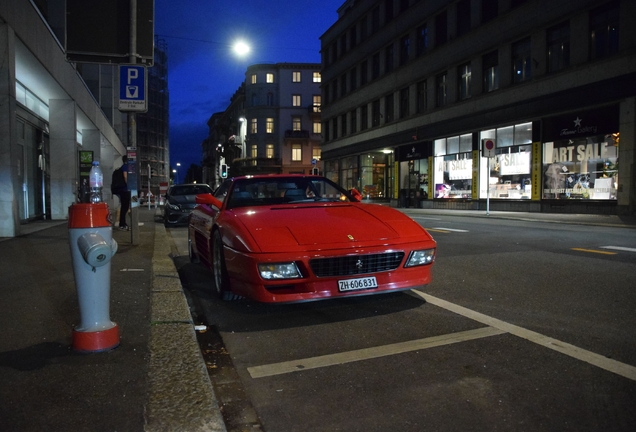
(173, 207)
(421, 257)
(279, 271)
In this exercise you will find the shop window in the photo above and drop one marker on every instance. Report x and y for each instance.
(581, 169)
(508, 174)
(453, 166)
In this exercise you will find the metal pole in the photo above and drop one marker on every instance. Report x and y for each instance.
(132, 122)
(488, 188)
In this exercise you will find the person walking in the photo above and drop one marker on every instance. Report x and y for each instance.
(119, 187)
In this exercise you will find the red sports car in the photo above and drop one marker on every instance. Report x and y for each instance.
(292, 238)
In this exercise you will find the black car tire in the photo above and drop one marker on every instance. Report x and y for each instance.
(220, 277)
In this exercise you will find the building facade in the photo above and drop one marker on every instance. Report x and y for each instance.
(153, 126)
(526, 105)
(273, 124)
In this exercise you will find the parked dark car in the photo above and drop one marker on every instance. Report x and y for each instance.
(180, 202)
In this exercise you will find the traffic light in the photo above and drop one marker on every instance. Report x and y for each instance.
(223, 170)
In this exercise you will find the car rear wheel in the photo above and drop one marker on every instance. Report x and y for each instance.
(221, 279)
(194, 258)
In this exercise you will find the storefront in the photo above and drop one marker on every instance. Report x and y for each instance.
(413, 179)
(580, 156)
(369, 172)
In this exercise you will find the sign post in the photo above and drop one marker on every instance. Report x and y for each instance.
(488, 149)
(133, 87)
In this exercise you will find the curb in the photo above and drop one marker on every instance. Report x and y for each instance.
(180, 394)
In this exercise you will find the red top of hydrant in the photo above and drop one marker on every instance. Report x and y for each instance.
(87, 215)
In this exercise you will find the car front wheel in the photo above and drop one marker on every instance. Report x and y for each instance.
(221, 279)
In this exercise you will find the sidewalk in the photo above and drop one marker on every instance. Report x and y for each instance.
(156, 380)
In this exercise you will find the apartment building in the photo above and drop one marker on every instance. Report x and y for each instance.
(525, 105)
(273, 123)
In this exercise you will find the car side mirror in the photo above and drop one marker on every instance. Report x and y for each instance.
(208, 199)
(357, 196)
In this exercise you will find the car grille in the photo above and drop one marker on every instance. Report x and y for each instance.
(356, 264)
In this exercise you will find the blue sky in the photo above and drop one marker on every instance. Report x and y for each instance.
(203, 71)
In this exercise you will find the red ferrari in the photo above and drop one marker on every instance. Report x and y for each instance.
(292, 238)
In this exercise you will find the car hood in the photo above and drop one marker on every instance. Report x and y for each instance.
(313, 227)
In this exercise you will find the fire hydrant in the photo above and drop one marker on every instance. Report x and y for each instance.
(92, 247)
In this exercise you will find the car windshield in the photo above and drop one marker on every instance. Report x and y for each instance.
(283, 190)
(189, 190)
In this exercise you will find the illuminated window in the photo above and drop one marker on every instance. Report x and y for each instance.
(297, 153)
(269, 151)
(270, 78)
(317, 77)
(296, 123)
(317, 127)
(269, 125)
(254, 79)
(254, 126)
(296, 100)
(296, 77)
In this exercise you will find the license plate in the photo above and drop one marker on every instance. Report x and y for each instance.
(357, 284)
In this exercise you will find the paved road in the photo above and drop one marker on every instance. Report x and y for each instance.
(527, 326)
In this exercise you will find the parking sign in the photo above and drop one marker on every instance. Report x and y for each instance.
(132, 88)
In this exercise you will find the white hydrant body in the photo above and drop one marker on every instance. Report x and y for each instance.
(92, 247)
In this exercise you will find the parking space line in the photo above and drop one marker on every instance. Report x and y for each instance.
(369, 353)
(619, 248)
(594, 251)
(598, 360)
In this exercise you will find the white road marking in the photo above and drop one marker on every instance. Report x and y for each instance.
(598, 360)
(451, 229)
(132, 270)
(425, 218)
(619, 248)
(369, 353)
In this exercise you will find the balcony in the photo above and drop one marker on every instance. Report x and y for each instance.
(296, 133)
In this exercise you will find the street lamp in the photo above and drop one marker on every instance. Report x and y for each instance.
(176, 176)
(241, 48)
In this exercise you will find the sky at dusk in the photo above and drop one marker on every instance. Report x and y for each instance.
(204, 72)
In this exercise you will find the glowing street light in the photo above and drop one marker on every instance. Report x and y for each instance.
(241, 48)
